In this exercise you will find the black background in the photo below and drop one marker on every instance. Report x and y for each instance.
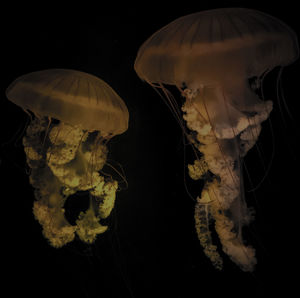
(151, 248)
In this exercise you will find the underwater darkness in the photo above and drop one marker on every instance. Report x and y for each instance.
(151, 247)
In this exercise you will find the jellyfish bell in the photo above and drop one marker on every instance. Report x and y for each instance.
(75, 115)
(201, 47)
(71, 96)
(210, 57)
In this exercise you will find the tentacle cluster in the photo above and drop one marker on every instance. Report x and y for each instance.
(66, 159)
(222, 198)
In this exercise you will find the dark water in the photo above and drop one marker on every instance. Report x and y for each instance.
(151, 248)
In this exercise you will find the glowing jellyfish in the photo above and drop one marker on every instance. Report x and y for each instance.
(210, 56)
(66, 156)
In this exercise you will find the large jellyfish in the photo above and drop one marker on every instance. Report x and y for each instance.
(74, 116)
(210, 57)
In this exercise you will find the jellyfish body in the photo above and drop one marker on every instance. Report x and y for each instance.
(210, 56)
(67, 157)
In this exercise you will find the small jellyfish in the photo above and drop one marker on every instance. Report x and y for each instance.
(210, 57)
(73, 116)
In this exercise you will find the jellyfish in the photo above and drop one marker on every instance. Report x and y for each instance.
(73, 116)
(209, 57)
